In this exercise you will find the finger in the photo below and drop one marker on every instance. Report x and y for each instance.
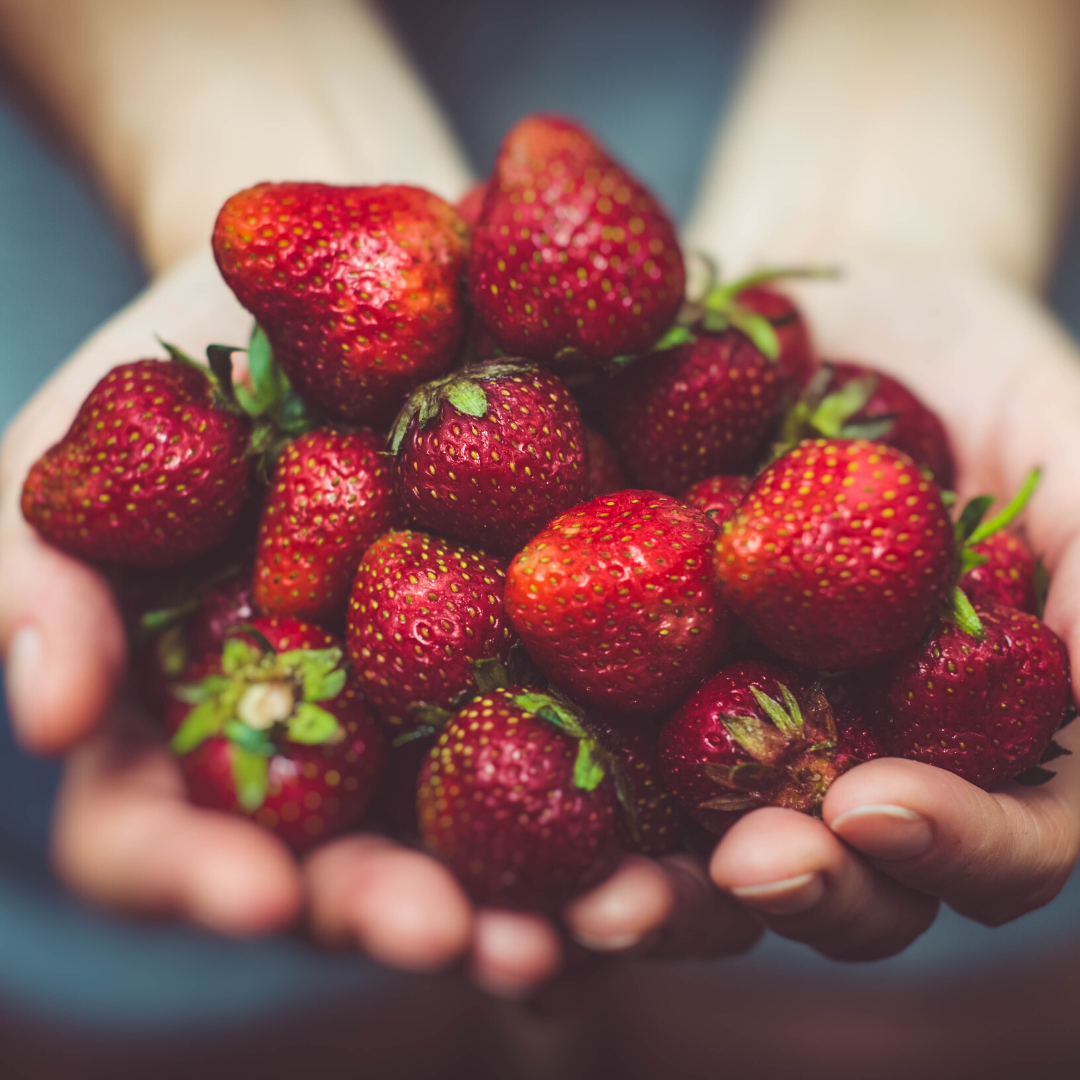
(992, 857)
(125, 836)
(666, 907)
(62, 641)
(807, 885)
(400, 906)
(513, 953)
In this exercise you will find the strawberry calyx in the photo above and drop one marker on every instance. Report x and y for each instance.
(970, 529)
(793, 755)
(260, 698)
(462, 388)
(589, 764)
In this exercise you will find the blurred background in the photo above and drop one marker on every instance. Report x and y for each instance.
(84, 994)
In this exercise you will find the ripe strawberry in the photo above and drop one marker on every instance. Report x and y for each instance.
(985, 709)
(272, 727)
(514, 799)
(332, 495)
(471, 203)
(855, 401)
(570, 251)
(651, 821)
(1007, 577)
(615, 601)
(704, 407)
(752, 735)
(423, 610)
(840, 556)
(717, 496)
(856, 733)
(795, 354)
(222, 607)
(490, 453)
(152, 471)
(605, 476)
(357, 288)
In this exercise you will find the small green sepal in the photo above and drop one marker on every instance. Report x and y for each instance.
(963, 616)
(250, 778)
(588, 771)
(312, 726)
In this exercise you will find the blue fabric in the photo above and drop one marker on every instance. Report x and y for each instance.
(649, 78)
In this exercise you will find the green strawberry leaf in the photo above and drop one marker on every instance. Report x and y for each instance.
(326, 688)
(788, 721)
(311, 725)
(220, 360)
(715, 322)
(970, 559)
(166, 617)
(172, 651)
(948, 498)
(257, 636)
(237, 654)
(180, 357)
(1036, 776)
(319, 669)
(250, 778)
(424, 731)
(674, 336)
(837, 408)
(467, 397)
(552, 711)
(588, 771)
(1053, 751)
(963, 616)
(970, 517)
(432, 717)
(761, 742)
(266, 376)
(397, 432)
(757, 328)
(254, 742)
(870, 430)
(199, 725)
(490, 674)
(768, 276)
(204, 690)
(1015, 505)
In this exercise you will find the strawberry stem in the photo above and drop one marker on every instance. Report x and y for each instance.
(1016, 504)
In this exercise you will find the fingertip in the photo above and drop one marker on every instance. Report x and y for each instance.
(514, 952)
(617, 914)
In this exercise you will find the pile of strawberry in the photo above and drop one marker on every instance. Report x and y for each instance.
(389, 572)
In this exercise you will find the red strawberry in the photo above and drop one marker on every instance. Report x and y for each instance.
(332, 495)
(705, 407)
(615, 602)
(222, 608)
(423, 611)
(471, 203)
(570, 251)
(515, 801)
(357, 288)
(650, 824)
(753, 735)
(717, 496)
(490, 454)
(855, 401)
(840, 556)
(153, 470)
(795, 357)
(605, 476)
(1007, 577)
(272, 727)
(856, 733)
(983, 709)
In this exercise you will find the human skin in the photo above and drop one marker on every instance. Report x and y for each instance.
(938, 288)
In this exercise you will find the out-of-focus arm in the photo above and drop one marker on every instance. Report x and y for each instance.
(178, 103)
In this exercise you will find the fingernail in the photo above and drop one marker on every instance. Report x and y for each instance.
(22, 672)
(608, 943)
(883, 831)
(792, 896)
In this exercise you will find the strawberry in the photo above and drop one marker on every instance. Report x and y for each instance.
(652, 823)
(271, 727)
(605, 476)
(848, 697)
(855, 401)
(153, 470)
(471, 203)
(717, 496)
(570, 251)
(222, 607)
(615, 601)
(795, 354)
(840, 556)
(490, 454)
(332, 495)
(753, 735)
(514, 799)
(1007, 577)
(984, 707)
(422, 611)
(357, 288)
(704, 407)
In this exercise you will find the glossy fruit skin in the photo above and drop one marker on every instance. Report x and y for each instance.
(717, 496)
(357, 288)
(570, 251)
(795, 364)
(695, 735)
(681, 415)
(850, 696)
(422, 610)
(656, 829)
(917, 430)
(985, 710)
(315, 792)
(497, 480)
(222, 607)
(840, 556)
(498, 804)
(151, 472)
(1008, 576)
(471, 203)
(332, 495)
(605, 475)
(615, 601)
